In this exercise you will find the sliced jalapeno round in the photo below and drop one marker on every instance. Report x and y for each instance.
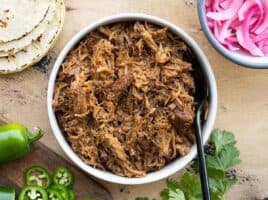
(7, 193)
(71, 194)
(33, 193)
(37, 176)
(62, 176)
(62, 190)
(53, 194)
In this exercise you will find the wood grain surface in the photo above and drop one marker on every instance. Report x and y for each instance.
(243, 93)
(12, 173)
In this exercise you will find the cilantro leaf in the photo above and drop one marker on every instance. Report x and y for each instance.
(219, 186)
(215, 173)
(229, 156)
(191, 186)
(172, 184)
(220, 139)
(167, 194)
(172, 192)
(226, 158)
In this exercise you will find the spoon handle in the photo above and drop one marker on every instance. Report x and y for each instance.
(201, 158)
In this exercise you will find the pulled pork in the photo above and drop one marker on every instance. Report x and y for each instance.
(124, 98)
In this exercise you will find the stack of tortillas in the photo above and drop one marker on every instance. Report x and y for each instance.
(28, 29)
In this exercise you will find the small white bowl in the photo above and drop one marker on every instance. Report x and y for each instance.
(173, 166)
(239, 58)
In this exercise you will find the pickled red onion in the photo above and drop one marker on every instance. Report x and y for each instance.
(243, 35)
(240, 25)
(227, 13)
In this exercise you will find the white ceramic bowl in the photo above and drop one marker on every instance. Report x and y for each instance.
(173, 166)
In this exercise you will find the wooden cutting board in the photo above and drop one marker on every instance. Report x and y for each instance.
(11, 174)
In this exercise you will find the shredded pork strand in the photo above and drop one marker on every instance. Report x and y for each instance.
(124, 98)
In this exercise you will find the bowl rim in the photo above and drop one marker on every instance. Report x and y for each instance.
(221, 49)
(173, 166)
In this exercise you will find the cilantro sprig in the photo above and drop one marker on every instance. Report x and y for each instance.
(224, 156)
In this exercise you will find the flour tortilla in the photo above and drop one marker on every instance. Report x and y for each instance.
(12, 47)
(20, 17)
(38, 49)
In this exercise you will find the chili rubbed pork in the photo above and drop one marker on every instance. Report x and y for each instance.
(124, 98)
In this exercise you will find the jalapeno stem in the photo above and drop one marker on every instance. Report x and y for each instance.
(36, 135)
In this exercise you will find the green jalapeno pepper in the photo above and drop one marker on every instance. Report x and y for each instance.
(7, 193)
(33, 193)
(15, 141)
(53, 194)
(62, 190)
(62, 176)
(71, 194)
(37, 176)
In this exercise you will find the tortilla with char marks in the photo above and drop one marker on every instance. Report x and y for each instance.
(34, 52)
(12, 47)
(19, 17)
